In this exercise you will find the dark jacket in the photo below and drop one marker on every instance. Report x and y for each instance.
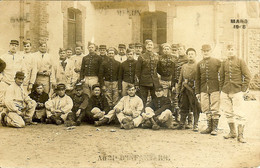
(207, 75)
(109, 71)
(181, 60)
(99, 102)
(79, 102)
(234, 75)
(44, 97)
(160, 104)
(127, 71)
(146, 70)
(90, 65)
(166, 67)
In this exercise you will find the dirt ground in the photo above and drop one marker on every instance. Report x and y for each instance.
(85, 146)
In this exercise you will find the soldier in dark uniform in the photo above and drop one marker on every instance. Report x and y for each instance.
(207, 88)
(121, 56)
(174, 51)
(234, 80)
(127, 71)
(103, 52)
(90, 69)
(80, 103)
(109, 77)
(157, 112)
(146, 72)
(138, 50)
(186, 90)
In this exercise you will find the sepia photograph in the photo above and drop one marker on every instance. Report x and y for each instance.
(129, 84)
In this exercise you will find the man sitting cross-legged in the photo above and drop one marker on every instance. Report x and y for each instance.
(127, 110)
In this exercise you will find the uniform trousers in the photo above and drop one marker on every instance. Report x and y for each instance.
(111, 93)
(165, 117)
(144, 92)
(210, 104)
(3, 87)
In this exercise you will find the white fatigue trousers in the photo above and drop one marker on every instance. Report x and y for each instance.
(15, 120)
(111, 92)
(210, 104)
(231, 105)
(166, 88)
(89, 82)
(164, 117)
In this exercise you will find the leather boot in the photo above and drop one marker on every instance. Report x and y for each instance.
(232, 133)
(240, 137)
(101, 122)
(3, 115)
(155, 124)
(182, 122)
(215, 127)
(209, 123)
(190, 117)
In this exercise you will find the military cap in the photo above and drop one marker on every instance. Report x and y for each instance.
(122, 46)
(147, 41)
(159, 88)
(129, 86)
(79, 44)
(102, 47)
(90, 43)
(131, 45)
(206, 47)
(27, 42)
(166, 45)
(2, 65)
(138, 45)
(95, 85)
(14, 42)
(78, 86)
(20, 75)
(190, 49)
(174, 46)
(61, 86)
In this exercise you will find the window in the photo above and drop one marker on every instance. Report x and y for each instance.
(153, 26)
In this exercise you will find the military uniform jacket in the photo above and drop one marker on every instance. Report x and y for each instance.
(109, 71)
(160, 104)
(207, 75)
(90, 65)
(146, 70)
(79, 102)
(166, 67)
(182, 59)
(127, 71)
(99, 102)
(234, 76)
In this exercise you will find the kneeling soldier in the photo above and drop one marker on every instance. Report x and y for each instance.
(127, 110)
(20, 107)
(58, 108)
(158, 111)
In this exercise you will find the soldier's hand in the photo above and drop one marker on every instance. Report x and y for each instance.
(198, 97)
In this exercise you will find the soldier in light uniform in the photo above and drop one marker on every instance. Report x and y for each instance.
(90, 69)
(186, 91)
(109, 77)
(121, 56)
(20, 107)
(207, 88)
(234, 80)
(30, 64)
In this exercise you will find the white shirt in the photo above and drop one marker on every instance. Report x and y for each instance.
(77, 61)
(30, 64)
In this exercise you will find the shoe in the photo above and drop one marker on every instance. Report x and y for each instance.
(208, 130)
(240, 137)
(181, 127)
(232, 134)
(101, 122)
(58, 122)
(215, 127)
(3, 115)
(195, 128)
(155, 127)
(189, 126)
(78, 122)
(129, 125)
(147, 124)
(48, 121)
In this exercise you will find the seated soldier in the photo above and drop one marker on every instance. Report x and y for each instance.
(80, 103)
(97, 105)
(158, 113)
(40, 97)
(58, 107)
(127, 110)
(20, 107)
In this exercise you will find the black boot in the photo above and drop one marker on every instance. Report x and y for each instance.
(101, 122)
(215, 127)
(3, 115)
(209, 123)
(240, 137)
(232, 133)
(190, 118)
(182, 121)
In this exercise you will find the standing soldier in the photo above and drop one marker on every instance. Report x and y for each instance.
(103, 52)
(174, 51)
(69, 53)
(186, 92)
(121, 56)
(138, 50)
(207, 88)
(109, 76)
(45, 71)
(146, 72)
(30, 64)
(127, 71)
(13, 62)
(181, 60)
(77, 61)
(234, 80)
(166, 68)
(90, 69)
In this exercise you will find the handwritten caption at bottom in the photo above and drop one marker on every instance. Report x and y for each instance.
(130, 157)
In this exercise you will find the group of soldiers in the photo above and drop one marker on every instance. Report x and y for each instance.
(133, 86)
